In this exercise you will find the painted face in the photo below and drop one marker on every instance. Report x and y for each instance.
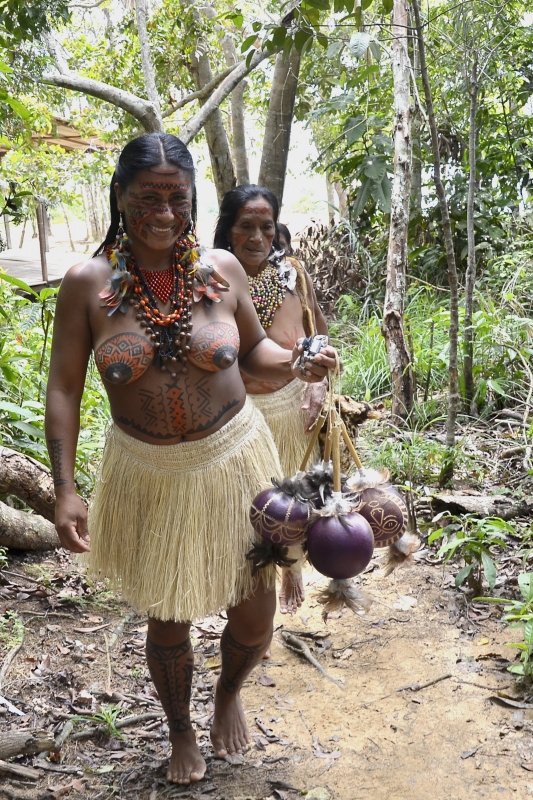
(252, 234)
(157, 206)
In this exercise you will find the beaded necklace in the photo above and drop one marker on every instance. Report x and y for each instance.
(192, 278)
(161, 282)
(268, 292)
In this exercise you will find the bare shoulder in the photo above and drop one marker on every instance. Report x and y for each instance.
(227, 265)
(86, 273)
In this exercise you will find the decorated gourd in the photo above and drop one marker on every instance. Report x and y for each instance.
(385, 511)
(279, 517)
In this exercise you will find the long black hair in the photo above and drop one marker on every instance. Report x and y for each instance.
(145, 152)
(232, 202)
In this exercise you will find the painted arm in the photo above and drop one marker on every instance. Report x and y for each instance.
(262, 358)
(71, 348)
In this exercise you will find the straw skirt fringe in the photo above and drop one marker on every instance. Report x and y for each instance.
(169, 523)
(283, 414)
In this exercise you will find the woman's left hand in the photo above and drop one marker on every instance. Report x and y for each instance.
(317, 369)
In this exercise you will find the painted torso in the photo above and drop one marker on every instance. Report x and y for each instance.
(150, 404)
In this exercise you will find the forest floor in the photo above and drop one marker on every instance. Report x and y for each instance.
(422, 705)
(382, 735)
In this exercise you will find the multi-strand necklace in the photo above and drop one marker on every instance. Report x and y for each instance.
(130, 286)
(191, 277)
(268, 293)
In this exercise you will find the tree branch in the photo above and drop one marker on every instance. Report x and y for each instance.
(195, 124)
(142, 110)
(200, 94)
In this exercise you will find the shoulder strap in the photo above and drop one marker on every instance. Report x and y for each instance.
(303, 295)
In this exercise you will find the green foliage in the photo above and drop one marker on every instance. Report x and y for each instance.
(25, 339)
(11, 629)
(3, 558)
(106, 718)
(473, 539)
(20, 21)
(519, 613)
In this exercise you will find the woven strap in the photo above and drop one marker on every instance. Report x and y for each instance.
(303, 295)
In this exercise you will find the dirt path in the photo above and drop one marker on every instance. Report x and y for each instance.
(447, 741)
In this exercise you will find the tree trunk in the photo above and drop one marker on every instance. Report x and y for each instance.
(215, 132)
(416, 149)
(237, 117)
(453, 399)
(86, 214)
(393, 330)
(65, 216)
(29, 480)
(342, 194)
(277, 137)
(22, 531)
(25, 742)
(470, 278)
(146, 60)
(331, 202)
(8, 232)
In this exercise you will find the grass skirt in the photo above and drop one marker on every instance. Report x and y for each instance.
(283, 414)
(169, 523)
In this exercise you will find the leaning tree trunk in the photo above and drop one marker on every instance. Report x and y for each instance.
(215, 132)
(146, 61)
(22, 531)
(470, 278)
(453, 373)
(29, 480)
(393, 313)
(237, 117)
(416, 150)
(278, 125)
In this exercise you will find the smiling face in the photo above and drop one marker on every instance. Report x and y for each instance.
(157, 206)
(252, 234)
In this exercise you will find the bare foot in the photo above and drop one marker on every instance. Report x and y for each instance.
(186, 762)
(292, 594)
(229, 732)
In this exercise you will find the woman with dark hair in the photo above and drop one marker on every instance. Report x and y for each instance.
(285, 239)
(170, 325)
(286, 305)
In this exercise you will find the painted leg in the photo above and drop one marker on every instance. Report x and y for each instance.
(171, 662)
(245, 639)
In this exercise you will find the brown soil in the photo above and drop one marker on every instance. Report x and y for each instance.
(379, 737)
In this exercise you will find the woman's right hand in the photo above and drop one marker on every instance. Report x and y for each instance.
(71, 523)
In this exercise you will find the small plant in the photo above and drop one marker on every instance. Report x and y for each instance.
(11, 629)
(106, 718)
(472, 539)
(3, 558)
(520, 613)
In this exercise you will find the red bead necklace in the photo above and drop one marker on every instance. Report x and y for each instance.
(161, 282)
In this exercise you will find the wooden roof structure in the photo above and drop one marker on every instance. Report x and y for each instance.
(66, 136)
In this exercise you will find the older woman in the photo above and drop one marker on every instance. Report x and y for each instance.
(286, 305)
(170, 326)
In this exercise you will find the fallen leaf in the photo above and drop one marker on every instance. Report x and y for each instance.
(469, 753)
(482, 641)
(213, 663)
(321, 754)
(266, 680)
(405, 603)
(235, 760)
(527, 765)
